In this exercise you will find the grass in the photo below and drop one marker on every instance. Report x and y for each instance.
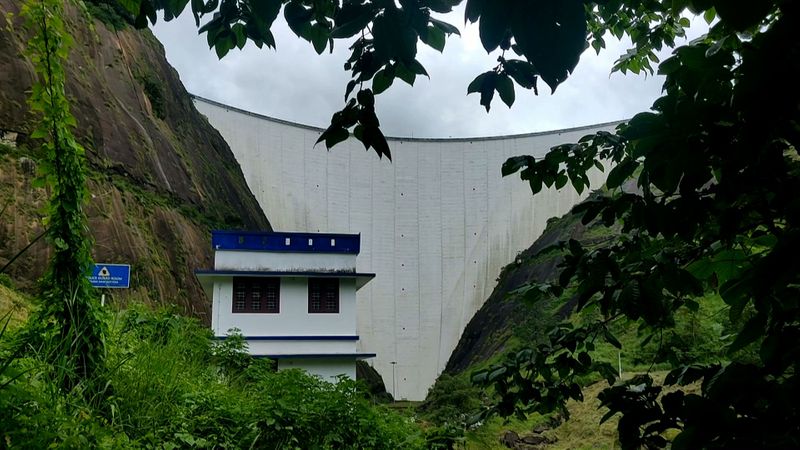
(583, 430)
(15, 304)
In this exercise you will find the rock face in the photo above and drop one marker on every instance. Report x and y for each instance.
(160, 177)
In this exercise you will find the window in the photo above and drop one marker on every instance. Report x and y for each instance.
(256, 295)
(323, 295)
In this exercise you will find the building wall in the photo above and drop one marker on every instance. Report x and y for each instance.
(272, 261)
(294, 318)
(291, 347)
(327, 369)
(437, 223)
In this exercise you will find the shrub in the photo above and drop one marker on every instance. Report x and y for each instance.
(169, 385)
(6, 281)
(451, 400)
(110, 12)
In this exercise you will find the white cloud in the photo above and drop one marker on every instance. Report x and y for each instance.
(294, 83)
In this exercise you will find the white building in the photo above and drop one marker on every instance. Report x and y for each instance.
(291, 295)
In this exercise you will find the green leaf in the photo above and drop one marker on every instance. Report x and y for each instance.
(402, 72)
(551, 35)
(496, 373)
(485, 84)
(333, 136)
(298, 18)
(382, 80)
(435, 38)
(505, 87)
(375, 138)
(266, 11)
(223, 46)
(752, 330)
(356, 22)
(366, 98)
(515, 163)
(493, 26)
(710, 15)
(479, 377)
(477, 83)
(319, 38)
(561, 180)
(522, 72)
(241, 38)
(611, 339)
(444, 26)
(620, 173)
(473, 10)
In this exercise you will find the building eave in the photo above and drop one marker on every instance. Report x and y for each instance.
(207, 277)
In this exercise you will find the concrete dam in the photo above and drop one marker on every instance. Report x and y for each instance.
(437, 224)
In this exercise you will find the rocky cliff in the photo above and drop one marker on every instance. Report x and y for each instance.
(160, 177)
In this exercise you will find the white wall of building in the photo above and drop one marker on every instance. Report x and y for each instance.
(276, 261)
(437, 224)
(292, 347)
(327, 369)
(293, 319)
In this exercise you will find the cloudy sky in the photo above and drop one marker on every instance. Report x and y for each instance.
(295, 84)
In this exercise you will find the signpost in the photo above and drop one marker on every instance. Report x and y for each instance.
(110, 276)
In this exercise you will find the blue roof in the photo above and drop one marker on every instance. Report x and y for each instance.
(269, 241)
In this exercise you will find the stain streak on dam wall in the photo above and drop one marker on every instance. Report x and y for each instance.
(437, 224)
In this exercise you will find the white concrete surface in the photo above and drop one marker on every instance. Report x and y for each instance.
(293, 347)
(437, 224)
(327, 369)
(283, 261)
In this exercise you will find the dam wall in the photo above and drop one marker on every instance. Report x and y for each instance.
(437, 224)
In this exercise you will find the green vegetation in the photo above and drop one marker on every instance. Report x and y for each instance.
(154, 92)
(111, 13)
(68, 327)
(169, 385)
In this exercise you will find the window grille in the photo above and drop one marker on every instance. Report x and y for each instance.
(256, 295)
(323, 295)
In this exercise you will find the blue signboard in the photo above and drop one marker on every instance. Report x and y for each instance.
(114, 276)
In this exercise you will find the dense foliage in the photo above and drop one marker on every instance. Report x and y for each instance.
(715, 208)
(714, 211)
(168, 385)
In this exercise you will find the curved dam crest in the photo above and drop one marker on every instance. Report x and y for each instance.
(437, 224)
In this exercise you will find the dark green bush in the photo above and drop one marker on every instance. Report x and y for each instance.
(451, 400)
